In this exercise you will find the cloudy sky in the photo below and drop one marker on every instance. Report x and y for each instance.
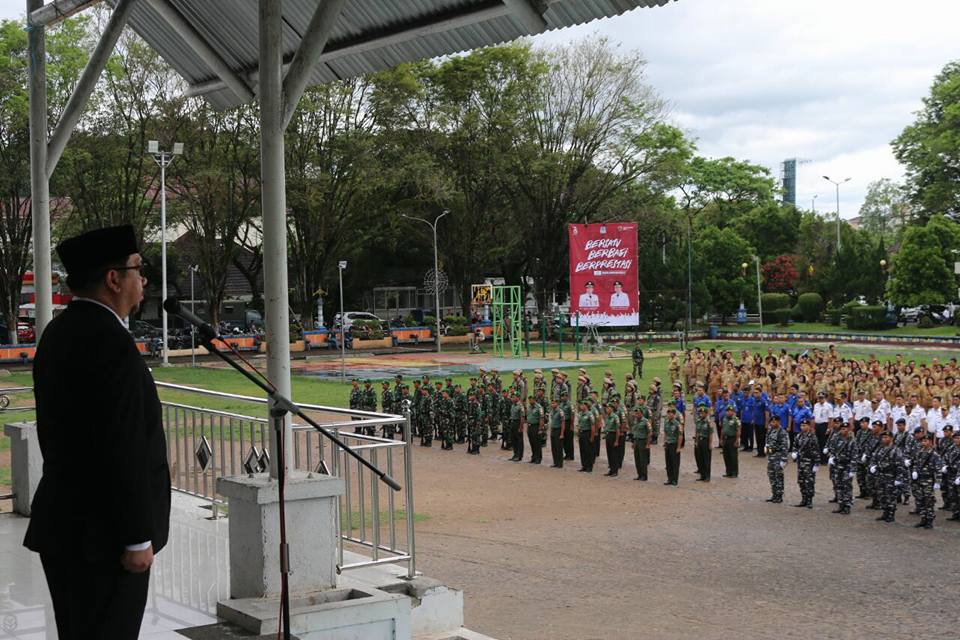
(829, 81)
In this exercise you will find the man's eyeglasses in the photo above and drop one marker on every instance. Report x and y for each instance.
(143, 266)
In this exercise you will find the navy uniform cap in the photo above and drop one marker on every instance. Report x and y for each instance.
(89, 252)
(917, 430)
(901, 421)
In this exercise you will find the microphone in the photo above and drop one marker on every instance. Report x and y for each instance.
(173, 307)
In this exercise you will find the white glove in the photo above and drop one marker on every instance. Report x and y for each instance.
(830, 461)
(851, 475)
(936, 487)
(873, 469)
(793, 455)
(914, 475)
(863, 458)
(824, 451)
(906, 462)
(783, 465)
(897, 483)
(957, 481)
(943, 469)
(815, 467)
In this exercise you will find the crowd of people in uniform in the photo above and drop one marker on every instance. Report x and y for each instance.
(894, 427)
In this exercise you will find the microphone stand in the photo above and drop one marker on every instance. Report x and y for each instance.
(279, 407)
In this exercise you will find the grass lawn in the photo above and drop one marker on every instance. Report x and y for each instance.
(819, 327)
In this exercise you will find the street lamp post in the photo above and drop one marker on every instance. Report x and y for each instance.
(343, 347)
(193, 309)
(837, 185)
(813, 204)
(436, 266)
(756, 260)
(163, 159)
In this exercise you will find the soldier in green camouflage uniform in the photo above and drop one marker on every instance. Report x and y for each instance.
(568, 434)
(778, 449)
(459, 413)
(843, 459)
(504, 410)
(540, 384)
(702, 435)
(426, 413)
(369, 403)
(445, 420)
(730, 432)
(558, 426)
(416, 400)
(637, 357)
(640, 430)
(541, 400)
(386, 402)
(356, 401)
(672, 441)
(533, 420)
(926, 474)
(807, 455)
(474, 416)
(516, 427)
(653, 402)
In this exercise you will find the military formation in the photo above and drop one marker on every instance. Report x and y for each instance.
(895, 450)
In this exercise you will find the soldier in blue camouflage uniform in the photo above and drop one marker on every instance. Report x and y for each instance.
(952, 478)
(474, 417)
(778, 449)
(877, 429)
(865, 444)
(926, 474)
(914, 452)
(888, 469)
(843, 459)
(908, 446)
(807, 455)
(946, 449)
(829, 450)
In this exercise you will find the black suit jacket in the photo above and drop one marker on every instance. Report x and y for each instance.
(106, 483)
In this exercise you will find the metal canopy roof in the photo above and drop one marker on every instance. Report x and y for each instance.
(198, 37)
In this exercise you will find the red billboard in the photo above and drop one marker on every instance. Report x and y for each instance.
(603, 274)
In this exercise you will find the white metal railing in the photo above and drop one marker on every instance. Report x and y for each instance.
(204, 443)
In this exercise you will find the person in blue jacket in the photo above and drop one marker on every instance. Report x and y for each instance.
(754, 420)
(801, 411)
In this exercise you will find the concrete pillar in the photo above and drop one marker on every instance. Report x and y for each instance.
(26, 463)
(311, 510)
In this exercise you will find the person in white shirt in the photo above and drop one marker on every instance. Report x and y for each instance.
(915, 414)
(843, 410)
(588, 299)
(862, 408)
(822, 412)
(881, 402)
(898, 410)
(618, 299)
(954, 412)
(935, 419)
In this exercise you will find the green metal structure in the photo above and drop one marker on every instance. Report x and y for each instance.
(507, 319)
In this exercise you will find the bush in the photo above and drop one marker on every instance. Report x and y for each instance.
(367, 330)
(795, 313)
(866, 317)
(773, 302)
(778, 316)
(811, 304)
(834, 315)
(430, 321)
(926, 322)
(296, 332)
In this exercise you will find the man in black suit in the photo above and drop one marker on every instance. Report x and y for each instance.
(102, 509)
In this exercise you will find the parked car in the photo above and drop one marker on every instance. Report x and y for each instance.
(938, 313)
(26, 333)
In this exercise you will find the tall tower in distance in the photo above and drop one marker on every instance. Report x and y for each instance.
(788, 179)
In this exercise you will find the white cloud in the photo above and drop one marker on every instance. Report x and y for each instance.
(764, 80)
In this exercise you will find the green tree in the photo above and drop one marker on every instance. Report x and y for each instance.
(920, 273)
(885, 209)
(67, 51)
(930, 147)
(719, 254)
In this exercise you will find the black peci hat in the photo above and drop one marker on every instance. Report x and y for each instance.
(84, 255)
